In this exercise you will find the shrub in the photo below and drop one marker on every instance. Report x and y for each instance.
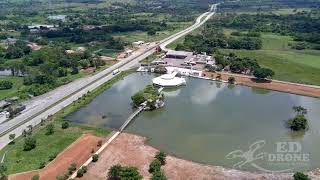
(6, 85)
(158, 175)
(155, 165)
(49, 129)
(35, 177)
(300, 176)
(231, 80)
(65, 125)
(29, 143)
(53, 156)
(99, 143)
(80, 173)
(161, 156)
(84, 169)
(95, 157)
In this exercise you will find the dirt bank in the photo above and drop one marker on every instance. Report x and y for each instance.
(132, 150)
(272, 85)
(78, 152)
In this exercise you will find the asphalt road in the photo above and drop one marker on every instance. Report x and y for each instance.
(50, 103)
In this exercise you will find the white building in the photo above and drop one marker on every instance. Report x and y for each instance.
(169, 80)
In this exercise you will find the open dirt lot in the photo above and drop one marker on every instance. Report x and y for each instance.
(273, 85)
(78, 152)
(131, 150)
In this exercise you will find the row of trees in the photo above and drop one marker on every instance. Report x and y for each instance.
(302, 26)
(241, 65)
(214, 38)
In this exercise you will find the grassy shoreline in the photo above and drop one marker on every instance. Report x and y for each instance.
(18, 160)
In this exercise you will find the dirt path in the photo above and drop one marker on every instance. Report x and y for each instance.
(272, 85)
(78, 152)
(131, 150)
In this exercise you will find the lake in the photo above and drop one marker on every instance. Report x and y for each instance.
(204, 121)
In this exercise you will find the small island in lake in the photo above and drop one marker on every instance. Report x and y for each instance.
(149, 95)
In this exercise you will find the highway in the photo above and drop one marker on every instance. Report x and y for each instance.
(50, 103)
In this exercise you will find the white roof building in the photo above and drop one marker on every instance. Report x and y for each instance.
(169, 80)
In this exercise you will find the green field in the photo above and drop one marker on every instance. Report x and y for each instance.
(143, 36)
(301, 66)
(17, 84)
(18, 160)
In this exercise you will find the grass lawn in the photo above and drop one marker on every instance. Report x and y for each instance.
(17, 84)
(301, 66)
(18, 160)
(143, 36)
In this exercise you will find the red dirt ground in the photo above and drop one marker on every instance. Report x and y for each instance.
(78, 152)
(131, 150)
(273, 85)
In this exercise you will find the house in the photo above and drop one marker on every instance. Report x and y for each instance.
(58, 17)
(185, 55)
(138, 43)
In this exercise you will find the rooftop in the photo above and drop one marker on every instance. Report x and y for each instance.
(179, 53)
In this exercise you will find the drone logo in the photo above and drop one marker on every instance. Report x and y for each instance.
(250, 156)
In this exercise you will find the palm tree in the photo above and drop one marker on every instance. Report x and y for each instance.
(299, 110)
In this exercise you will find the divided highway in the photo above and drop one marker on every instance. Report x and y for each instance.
(50, 103)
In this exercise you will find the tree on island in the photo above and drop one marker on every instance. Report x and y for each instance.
(149, 94)
(299, 122)
(300, 176)
(262, 73)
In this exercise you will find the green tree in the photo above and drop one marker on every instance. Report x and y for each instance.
(35, 177)
(161, 156)
(131, 173)
(3, 169)
(29, 143)
(115, 172)
(262, 73)
(95, 157)
(300, 176)
(155, 165)
(49, 129)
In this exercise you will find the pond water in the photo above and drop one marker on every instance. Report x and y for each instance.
(204, 121)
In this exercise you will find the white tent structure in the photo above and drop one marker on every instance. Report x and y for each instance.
(169, 80)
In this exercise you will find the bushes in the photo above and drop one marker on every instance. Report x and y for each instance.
(155, 165)
(5, 85)
(161, 156)
(49, 129)
(81, 171)
(158, 175)
(35, 177)
(42, 165)
(95, 157)
(29, 143)
(124, 172)
(65, 125)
